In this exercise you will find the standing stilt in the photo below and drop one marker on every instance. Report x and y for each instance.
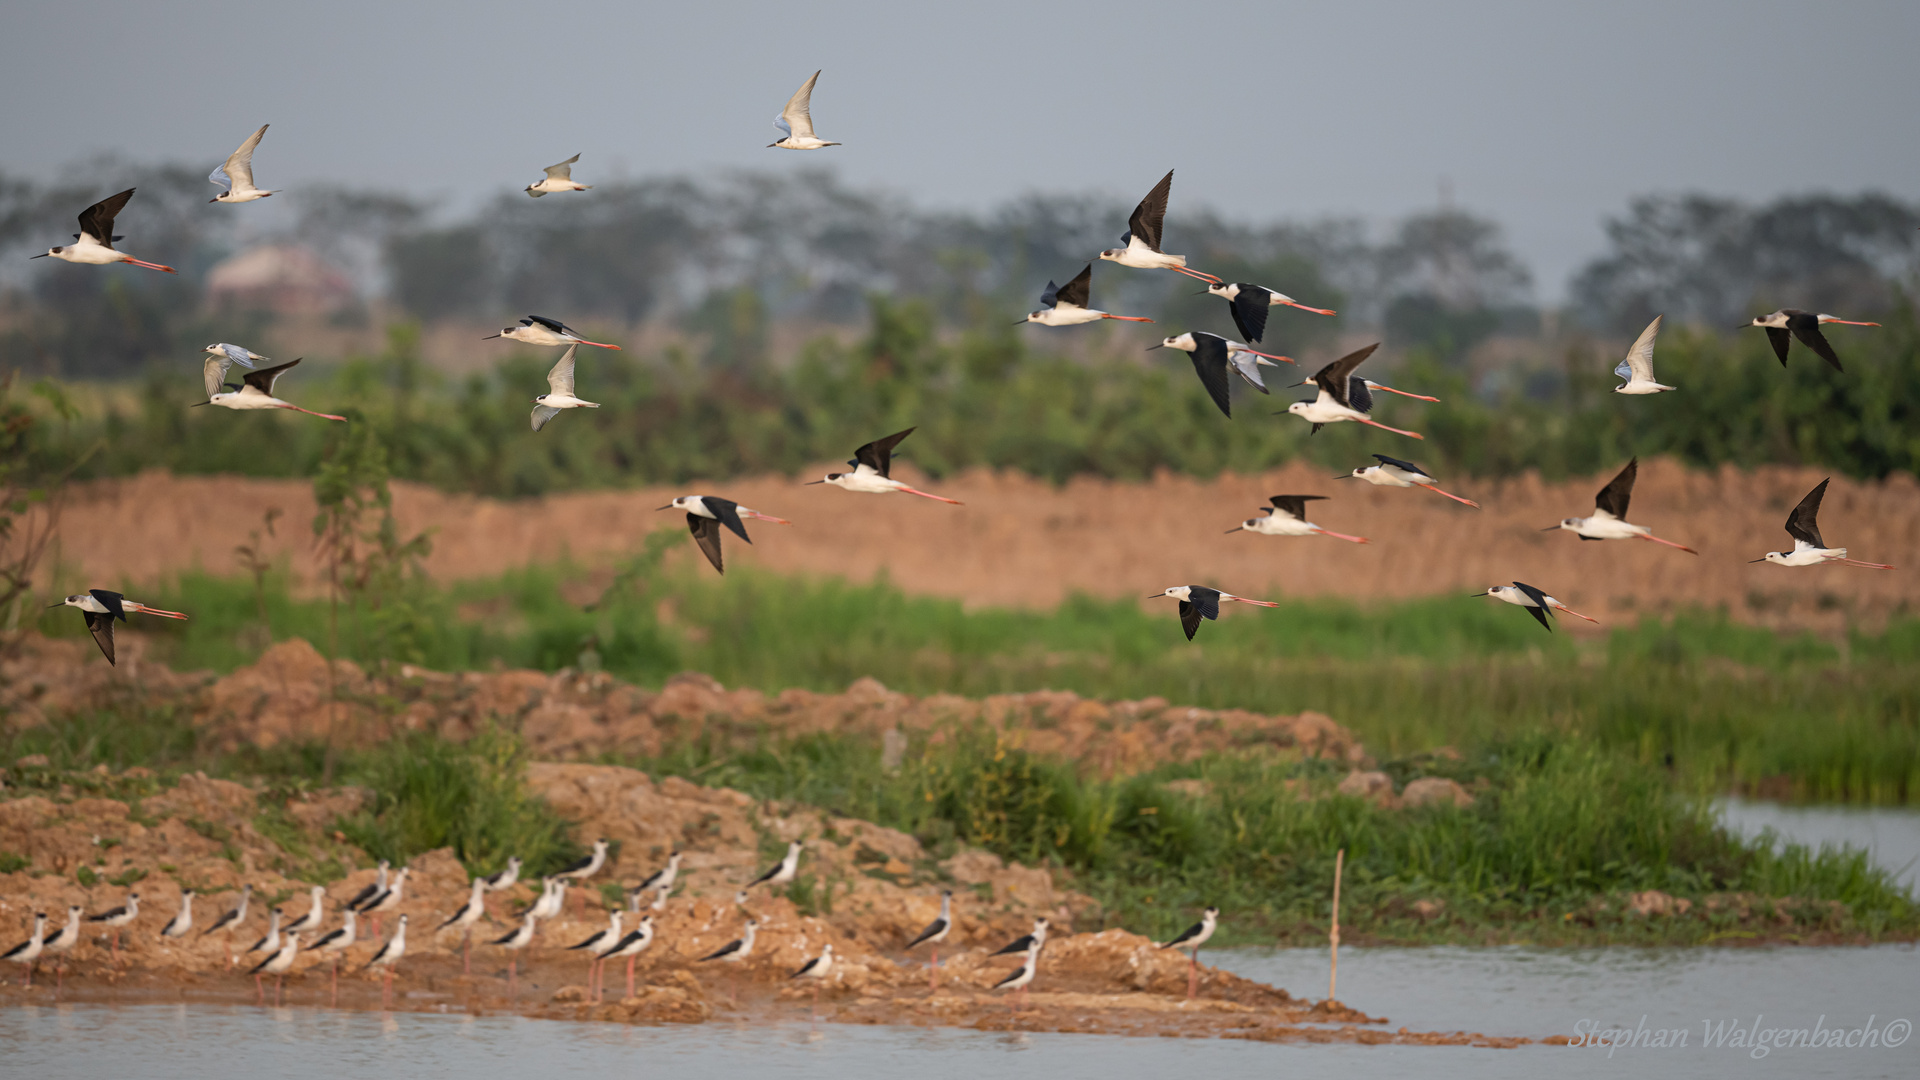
(1190, 940)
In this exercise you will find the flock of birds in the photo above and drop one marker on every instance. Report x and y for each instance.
(285, 939)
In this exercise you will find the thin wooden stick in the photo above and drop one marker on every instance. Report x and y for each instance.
(1333, 934)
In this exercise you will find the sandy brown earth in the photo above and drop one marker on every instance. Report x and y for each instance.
(1022, 542)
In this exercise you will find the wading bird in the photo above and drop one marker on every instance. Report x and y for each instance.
(1343, 396)
(935, 933)
(230, 919)
(1140, 244)
(597, 946)
(236, 175)
(1808, 549)
(515, 940)
(182, 921)
(782, 872)
(1199, 602)
(796, 121)
(271, 942)
(630, 947)
(705, 516)
(1392, 472)
(1067, 305)
(734, 953)
(1022, 976)
(559, 393)
(1249, 303)
(1637, 368)
(257, 393)
(93, 244)
(277, 966)
(664, 877)
(28, 952)
(1032, 940)
(469, 913)
(100, 607)
(387, 899)
(61, 944)
(540, 330)
(372, 889)
(1190, 941)
(118, 919)
(559, 178)
(1788, 323)
(1608, 521)
(815, 970)
(337, 941)
(871, 465)
(1537, 603)
(386, 958)
(316, 912)
(1288, 517)
(583, 868)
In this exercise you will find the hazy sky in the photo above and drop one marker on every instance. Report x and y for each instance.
(1546, 117)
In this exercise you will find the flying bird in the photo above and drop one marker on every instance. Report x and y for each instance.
(1343, 396)
(1788, 323)
(1288, 517)
(540, 330)
(1199, 602)
(93, 244)
(1213, 356)
(559, 178)
(1808, 548)
(705, 516)
(796, 122)
(871, 464)
(559, 393)
(1392, 472)
(1140, 244)
(1637, 368)
(236, 175)
(1249, 303)
(1066, 305)
(100, 607)
(257, 393)
(221, 356)
(1608, 521)
(1536, 602)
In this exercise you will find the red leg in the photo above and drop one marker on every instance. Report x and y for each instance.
(466, 953)
(630, 961)
(933, 970)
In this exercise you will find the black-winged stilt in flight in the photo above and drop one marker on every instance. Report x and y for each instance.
(1190, 940)
(796, 121)
(182, 921)
(1213, 356)
(468, 914)
(386, 958)
(61, 944)
(1343, 396)
(316, 912)
(1249, 304)
(1537, 603)
(734, 953)
(515, 940)
(630, 947)
(118, 919)
(782, 872)
(1788, 323)
(1392, 472)
(1199, 602)
(559, 393)
(871, 465)
(236, 173)
(277, 966)
(1140, 244)
(1022, 976)
(337, 941)
(815, 970)
(1808, 549)
(1608, 521)
(598, 945)
(1637, 368)
(257, 393)
(28, 952)
(705, 515)
(1067, 305)
(93, 244)
(559, 178)
(270, 943)
(100, 607)
(935, 933)
(1288, 517)
(540, 330)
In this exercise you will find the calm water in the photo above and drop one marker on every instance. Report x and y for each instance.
(1892, 837)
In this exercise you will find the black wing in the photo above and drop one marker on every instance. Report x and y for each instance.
(1808, 331)
(1250, 311)
(1051, 296)
(1206, 600)
(113, 602)
(1190, 622)
(1358, 396)
(1294, 506)
(1210, 363)
(554, 325)
(1151, 213)
(97, 220)
(364, 895)
(1406, 465)
(1079, 291)
(1803, 523)
(1781, 340)
(728, 512)
(1186, 935)
(1334, 377)
(576, 865)
(111, 913)
(723, 951)
(509, 936)
(1025, 941)
(878, 454)
(1614, 497)
(102, 627)
(933, 928)
(1017, 972)
(1540, 600)
(706, 533)
(263, 378)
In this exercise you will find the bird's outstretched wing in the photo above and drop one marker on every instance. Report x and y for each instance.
(1151, 214)
(1810, 336)
(1781, 342)
(1405, 466)
(1639, 361)
(101, 627)
(542, 414)
(562, 171)
(1804, 522)
(1078, 292)
(1333, 380)
(239, 355)
(1540, 609)
(97, 220)
(797, 118)
(878, 454)
(706, 533)
(560, 379)
(728, 513)
(1614, 497)
(239, 167)
(263, 379)
(1210, 363)
(554, 325)
(1249, 310)
(1294, 506)
(214, 372)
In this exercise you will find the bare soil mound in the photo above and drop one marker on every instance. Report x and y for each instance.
(1022, 542)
